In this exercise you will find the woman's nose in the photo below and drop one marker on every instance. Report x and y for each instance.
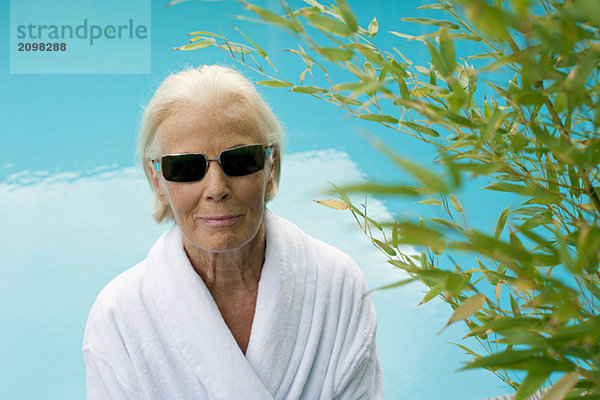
(216, 182)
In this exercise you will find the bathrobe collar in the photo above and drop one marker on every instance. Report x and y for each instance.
(200, 333)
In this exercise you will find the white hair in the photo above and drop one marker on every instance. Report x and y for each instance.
(208, 84)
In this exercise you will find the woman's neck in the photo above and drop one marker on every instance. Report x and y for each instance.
(230, 271)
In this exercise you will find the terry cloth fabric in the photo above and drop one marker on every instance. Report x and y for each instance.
(155, 331)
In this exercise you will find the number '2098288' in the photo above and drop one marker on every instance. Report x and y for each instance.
(42, 46)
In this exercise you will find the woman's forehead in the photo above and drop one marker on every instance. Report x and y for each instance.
(207, 129)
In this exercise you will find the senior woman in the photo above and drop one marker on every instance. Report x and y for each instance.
(232, 302)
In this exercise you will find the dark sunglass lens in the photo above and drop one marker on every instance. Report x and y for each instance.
(184, 167)
(243, 160)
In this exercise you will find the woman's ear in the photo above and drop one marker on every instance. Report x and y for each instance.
(156, 183)
(271, 176)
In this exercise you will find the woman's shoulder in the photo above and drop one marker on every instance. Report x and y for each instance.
(124, 284)
(122, 295)
(329, 258)
(130, 287)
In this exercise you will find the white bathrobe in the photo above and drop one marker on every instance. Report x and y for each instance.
(155, 331)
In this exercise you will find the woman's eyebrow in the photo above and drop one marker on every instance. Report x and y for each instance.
(240, 144)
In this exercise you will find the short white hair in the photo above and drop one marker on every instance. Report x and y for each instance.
(205, 85)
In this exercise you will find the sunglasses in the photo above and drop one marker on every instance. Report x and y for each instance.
(192, 167)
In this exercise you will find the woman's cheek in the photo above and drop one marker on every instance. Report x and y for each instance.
(181, 199)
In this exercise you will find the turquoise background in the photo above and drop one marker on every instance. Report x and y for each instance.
(76, 209)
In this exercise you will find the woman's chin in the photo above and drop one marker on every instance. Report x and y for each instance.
(219, 242)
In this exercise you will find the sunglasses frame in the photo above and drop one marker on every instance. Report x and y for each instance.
(158, 168)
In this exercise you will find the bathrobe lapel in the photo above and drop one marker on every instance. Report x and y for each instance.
(195, 322)
(282, 320)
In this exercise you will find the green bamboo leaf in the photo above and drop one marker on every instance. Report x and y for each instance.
(315, 3)
(504, 358)
(588, 243)
(437, 61)
(418, 235)
(258, 49)
(345, 100)
(520, 337)
(529, 98)
(456, 204)
(423, 175)
(491, 20)
(379, 118)
(434, 6)
(347, 15)
(501, 223)
(435, 22)
(406, 36)
(200, 44)
(545, 199)
(421, 128)
(234, 48)
(307, 60)
(396, 284)
(592, 283)
(511, 257)
(382, 189)
(308, 89)
(467, 308)
(447, 51)
(466, 349)
(534, 221)
(580, 74)
(355, 70)
(196, 38)
(521, 360)
(510, 323)
(397, 69)
(370, 72)
(425, 264)
(275, 19)
(432, 76)
(455, 283)
(561, 389)
(434, 202)
(514, 306)
(447, 223)
(329, 25)
(542, 243)
(514, 188)
(530, 210)
(483, 56)
(432, 293)
(515, 242)
(438, 247)
(335, 54)
(430, 275)
(530, 385)
(493, 124)
(404, 92)
(385, 247)
(373, 27)
(475, 167)
(370, 52)
(275, 83)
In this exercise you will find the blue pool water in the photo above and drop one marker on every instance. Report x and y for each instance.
(76, 209)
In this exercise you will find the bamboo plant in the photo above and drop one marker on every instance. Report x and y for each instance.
(528, 290)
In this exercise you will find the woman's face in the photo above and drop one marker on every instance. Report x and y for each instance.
(218, 213)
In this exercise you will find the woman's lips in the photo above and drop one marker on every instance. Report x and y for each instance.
(220, 221)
